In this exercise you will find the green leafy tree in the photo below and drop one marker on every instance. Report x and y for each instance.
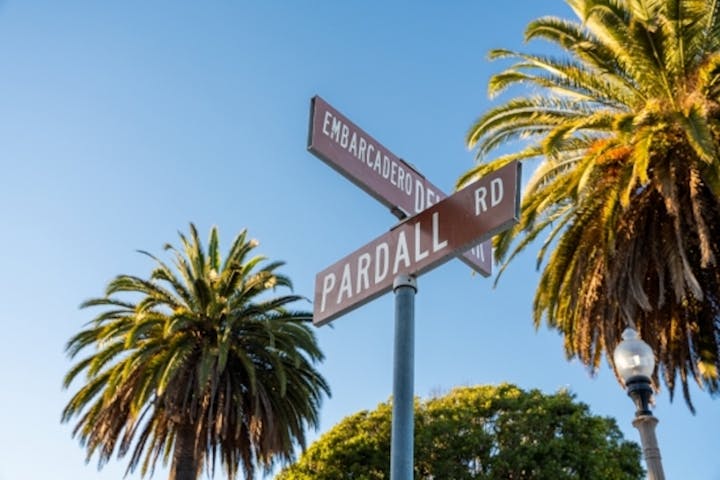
(483, 432)
(624, 118)
(197, 362)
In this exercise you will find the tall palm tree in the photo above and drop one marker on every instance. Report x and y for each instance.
(624, 120)
(197, 362)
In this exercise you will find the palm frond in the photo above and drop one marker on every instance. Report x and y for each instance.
(627, 132)
(204, 350)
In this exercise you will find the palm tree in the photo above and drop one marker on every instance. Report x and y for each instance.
(197, 362)
(625, 127)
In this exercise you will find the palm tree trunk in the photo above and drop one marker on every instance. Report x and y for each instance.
(185, 462)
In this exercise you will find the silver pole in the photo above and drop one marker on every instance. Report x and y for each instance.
(401, 448)
(646, 426)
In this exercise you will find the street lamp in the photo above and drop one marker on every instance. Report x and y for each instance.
(635, 362)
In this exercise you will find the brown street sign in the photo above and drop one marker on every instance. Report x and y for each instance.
(420, 243)
(367, 163)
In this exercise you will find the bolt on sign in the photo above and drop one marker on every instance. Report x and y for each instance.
(420, 243)
(367, 163)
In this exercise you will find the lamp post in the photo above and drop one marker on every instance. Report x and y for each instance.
(635, 362)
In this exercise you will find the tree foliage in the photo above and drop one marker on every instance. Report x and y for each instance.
(200, 362)
(482, 432)
(625, 120)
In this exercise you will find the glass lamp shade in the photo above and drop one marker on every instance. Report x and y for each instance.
(633, 357)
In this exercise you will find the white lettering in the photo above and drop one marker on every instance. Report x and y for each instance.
(401, 177)
(326, 122)
(419, 196)
(479, 252)
(378, 163)
(386, 166)
(419, 254)
(361, 151)
(328, 285)
(393, 172)
(480, 205)
(401, 252)
(370, 148)
(335, 129)
(353, 144)
(381, 273)
(496, 191)
(437, 244)
(344, 136)
(363, 279)
(408, 183)
(345, 283)
(431, 198)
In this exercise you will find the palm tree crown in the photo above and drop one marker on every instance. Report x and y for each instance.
(626, 125)
(197, 362)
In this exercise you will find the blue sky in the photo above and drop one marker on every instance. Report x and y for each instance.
(121, 122)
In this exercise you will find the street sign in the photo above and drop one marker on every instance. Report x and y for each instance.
(419, 244)
(367, 163)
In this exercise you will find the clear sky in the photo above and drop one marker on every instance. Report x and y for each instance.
(120, 122)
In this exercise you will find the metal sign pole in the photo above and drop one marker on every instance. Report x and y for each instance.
(401, 449)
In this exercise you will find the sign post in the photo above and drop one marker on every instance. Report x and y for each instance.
(401, 438)
(442, 227)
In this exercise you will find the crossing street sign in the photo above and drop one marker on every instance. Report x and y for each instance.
(420, 243)
(367, 163)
